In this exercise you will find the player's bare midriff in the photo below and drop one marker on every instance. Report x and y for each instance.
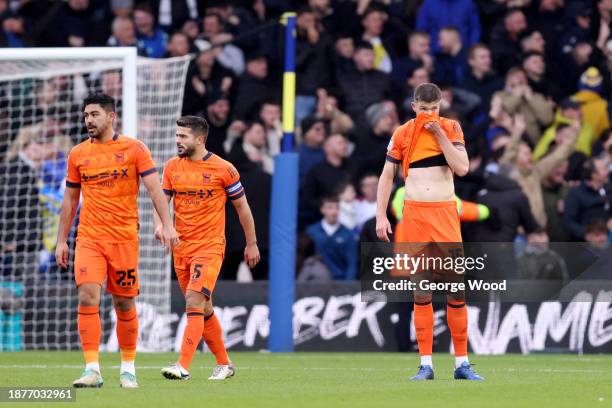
(430, 184)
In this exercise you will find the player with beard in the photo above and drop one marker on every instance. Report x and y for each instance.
(200, 183)
(107, 169)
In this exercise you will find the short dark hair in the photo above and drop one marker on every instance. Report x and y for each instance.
(596, 225)
(197, 124)
(105, 101)
(452, 28)
(476, 47)
(146, 7)
(331, 198)
(589, 167)
(427, 93)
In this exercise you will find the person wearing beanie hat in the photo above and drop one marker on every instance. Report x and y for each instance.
(594, 107)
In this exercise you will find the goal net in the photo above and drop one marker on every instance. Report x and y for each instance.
(40, 121)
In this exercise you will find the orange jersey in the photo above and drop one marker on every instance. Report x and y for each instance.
(411, 143)
(200, 190)
(108, 175)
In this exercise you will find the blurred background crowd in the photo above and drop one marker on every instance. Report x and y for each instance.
(529, 81)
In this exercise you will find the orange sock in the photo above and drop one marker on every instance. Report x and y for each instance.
(192, 336)
(90, 330)
(423, 324)
(213, 336)
(127, 333)
(457, 319)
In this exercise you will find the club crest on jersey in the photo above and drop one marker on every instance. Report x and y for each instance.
(85, 162)
(119, 157)
(206, 178)
(176, 177)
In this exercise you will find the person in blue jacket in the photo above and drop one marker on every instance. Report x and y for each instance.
(437, 14)
(333, 242)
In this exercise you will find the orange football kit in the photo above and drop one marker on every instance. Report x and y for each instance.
(107, 241)
(428, 222)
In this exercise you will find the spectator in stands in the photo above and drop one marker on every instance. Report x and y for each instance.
(362, 85)
(451, 61)
(270, 117)
(366, 205)
(178, 45)
(529, 175)
(205, 77)
(540, 262)
(122, 8)
(312, 64)
(549, 21)
(578, 28)
(324, 178)
(123, 33)
(594, 107)
(371, 149)
(532, 40)
(591, 200)
(463, 14)
(314, 132)
(335, 243)
(191, 29)
(554, 190)
(505, 198)
(172, 14)
(65, 24)
(20, 235)
(327, 109)
(373, 23)
(505, 38)
(12, 27)
(348, 205)
(534, 66)
(460, 101)
(568, 112)
(251, 149)
(342, 58)
(415, 78)
(151, 40)
(419, 54)
(254, 87)
(214, 35)
(217, 115)
(481, 79)
(518, 97)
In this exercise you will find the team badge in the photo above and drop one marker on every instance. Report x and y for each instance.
(119, 157)
(206, 177)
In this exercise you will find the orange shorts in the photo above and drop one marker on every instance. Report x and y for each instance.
(197, 267)
(428, 229)
(436, 221)
(117, 263)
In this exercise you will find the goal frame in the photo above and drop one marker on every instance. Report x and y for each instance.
(127, 55)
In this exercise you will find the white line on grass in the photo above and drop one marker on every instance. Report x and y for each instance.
(69, 366)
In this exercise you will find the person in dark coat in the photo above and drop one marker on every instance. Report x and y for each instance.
(591, 200)
(363, 85)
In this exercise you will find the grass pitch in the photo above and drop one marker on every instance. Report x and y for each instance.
(325, 380)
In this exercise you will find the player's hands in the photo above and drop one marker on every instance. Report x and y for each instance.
(169, 238)
(158, 232)
(251, 255)
(383, 228)
(435, 128)
(61, 254)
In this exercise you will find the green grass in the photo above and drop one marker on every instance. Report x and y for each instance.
(326, 380)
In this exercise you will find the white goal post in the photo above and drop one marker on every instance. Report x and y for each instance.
(41, 94)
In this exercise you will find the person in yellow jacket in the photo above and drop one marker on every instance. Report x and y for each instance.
(594, 107)
(569, 111)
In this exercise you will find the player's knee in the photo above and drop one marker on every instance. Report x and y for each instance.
(195, 299)
(208, 308)
(455, 297)
(123, 303)
(89, 295)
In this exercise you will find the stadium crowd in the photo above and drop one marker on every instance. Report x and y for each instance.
(529, 81)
